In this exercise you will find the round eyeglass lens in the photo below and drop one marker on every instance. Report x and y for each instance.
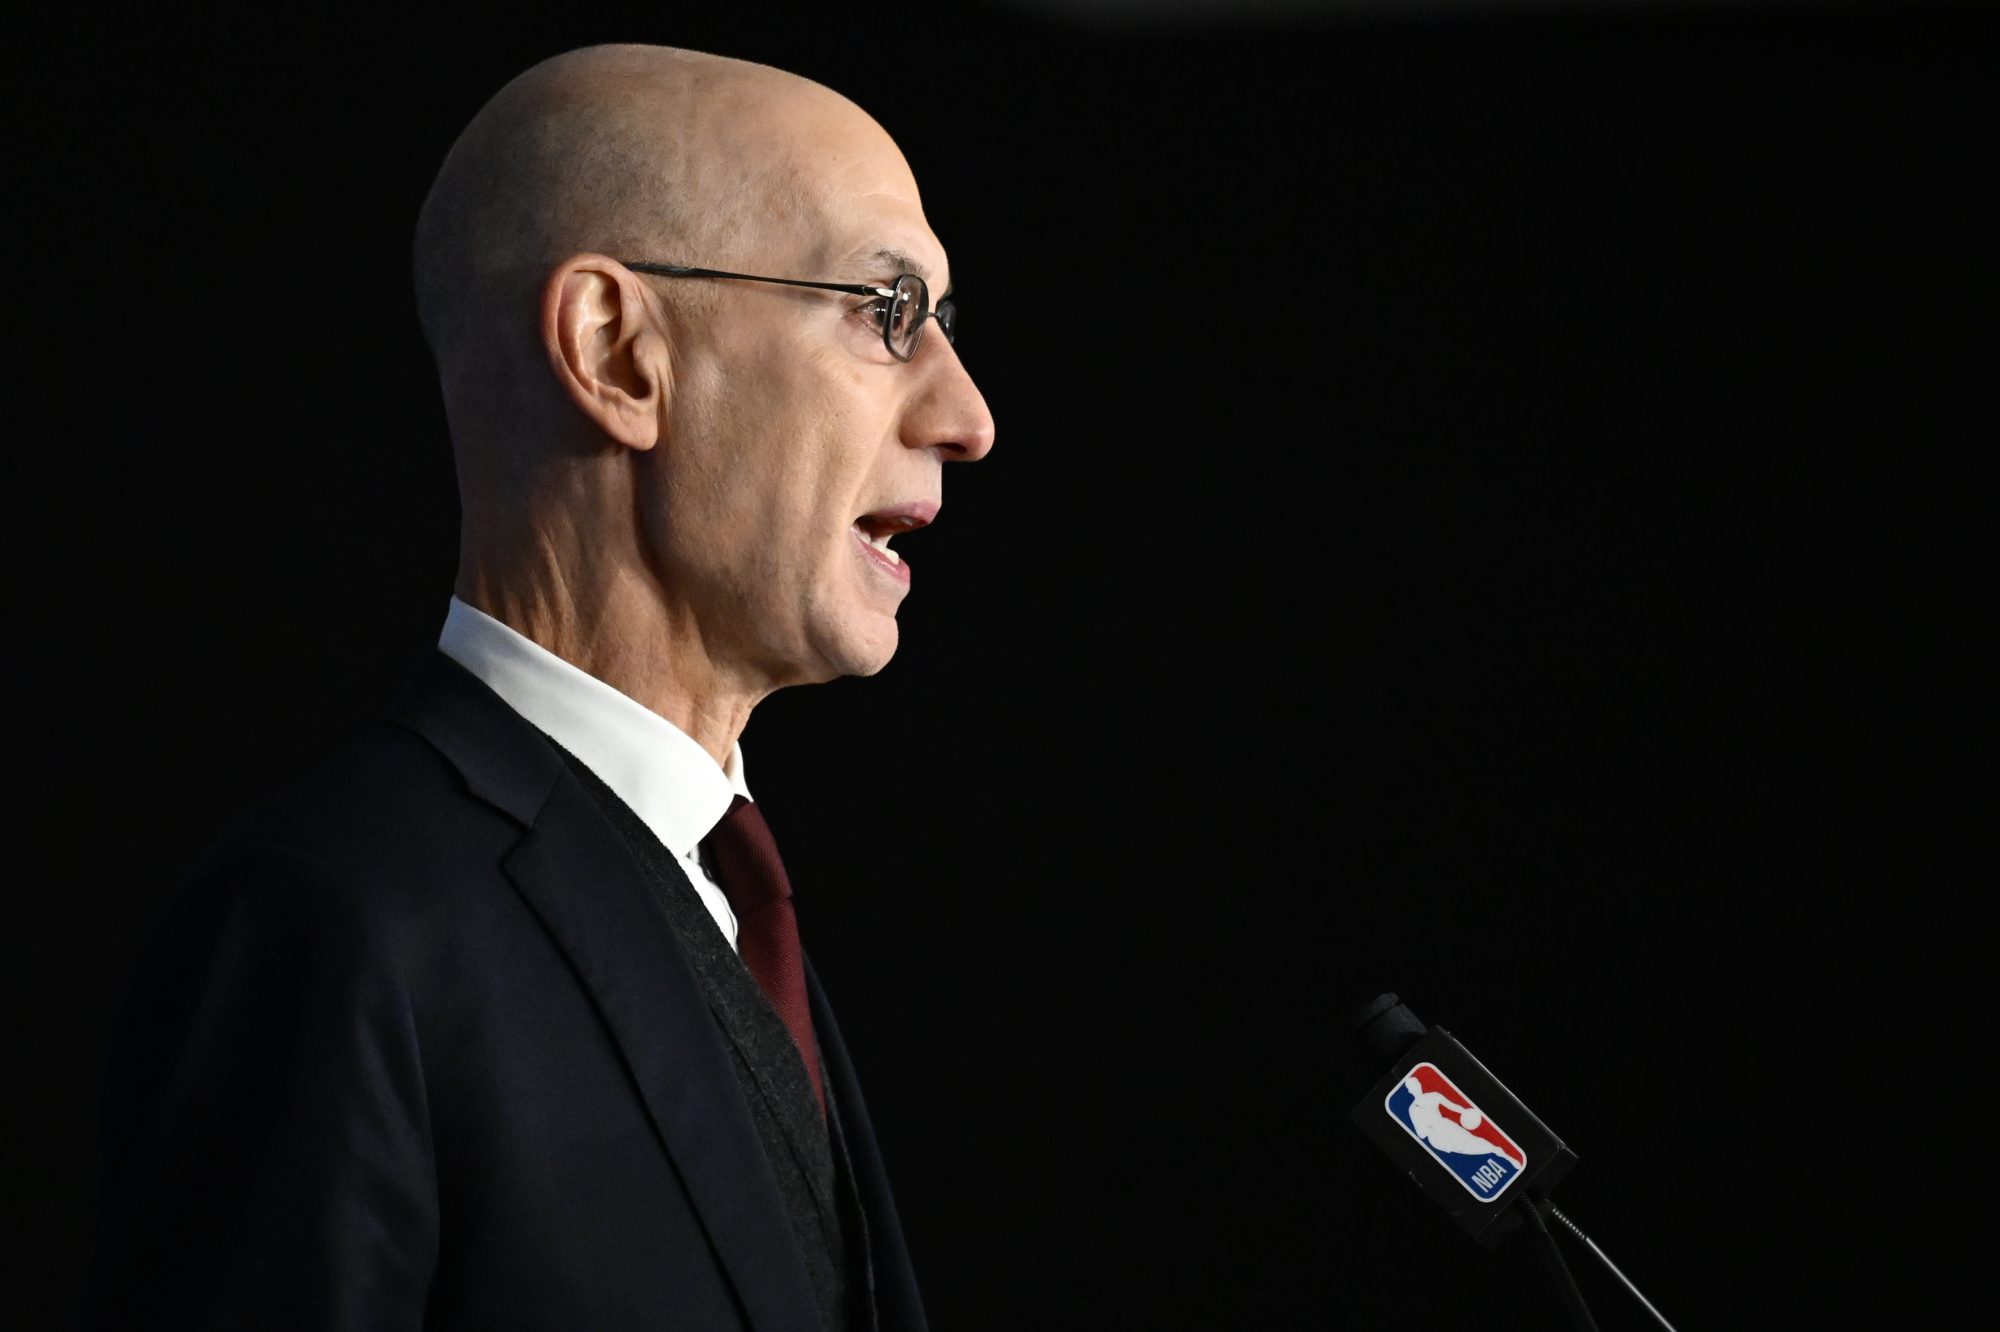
(946, 315)
(906, 315)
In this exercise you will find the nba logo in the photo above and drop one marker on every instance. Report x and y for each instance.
(1452, 1129)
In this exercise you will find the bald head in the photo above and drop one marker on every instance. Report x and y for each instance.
(686, 486)
(637, 152)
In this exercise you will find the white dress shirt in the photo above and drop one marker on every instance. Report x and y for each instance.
(652, 765)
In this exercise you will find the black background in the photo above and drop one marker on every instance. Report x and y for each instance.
(1477, 511)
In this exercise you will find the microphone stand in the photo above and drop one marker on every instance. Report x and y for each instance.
(1558, 1270)
(1540, 1207)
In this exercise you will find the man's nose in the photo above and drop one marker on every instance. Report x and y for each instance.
(949, 413)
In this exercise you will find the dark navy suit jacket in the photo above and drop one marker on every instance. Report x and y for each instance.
(416, 1049)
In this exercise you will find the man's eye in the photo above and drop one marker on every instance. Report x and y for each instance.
(877, 309)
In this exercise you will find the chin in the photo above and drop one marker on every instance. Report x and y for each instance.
(862, 650)
(870, 663)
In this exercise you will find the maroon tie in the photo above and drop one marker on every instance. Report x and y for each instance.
(745, 863)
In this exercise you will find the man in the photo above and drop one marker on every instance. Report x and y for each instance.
(501, 1020)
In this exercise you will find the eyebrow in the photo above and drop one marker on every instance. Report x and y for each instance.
(896, 261)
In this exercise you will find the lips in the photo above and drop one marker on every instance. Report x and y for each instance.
(875, 529)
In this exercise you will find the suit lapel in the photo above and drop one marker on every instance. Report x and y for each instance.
(895, 1304)
(740, 1007)
(575, 873)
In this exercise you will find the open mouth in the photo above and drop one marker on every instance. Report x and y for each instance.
(876, 529)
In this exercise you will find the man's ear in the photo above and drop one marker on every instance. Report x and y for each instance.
(605, 348)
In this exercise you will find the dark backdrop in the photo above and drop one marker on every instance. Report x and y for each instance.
(1474, 513)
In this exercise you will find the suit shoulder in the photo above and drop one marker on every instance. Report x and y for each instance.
(386, 824)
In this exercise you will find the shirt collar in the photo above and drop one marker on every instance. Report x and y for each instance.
(669, 781)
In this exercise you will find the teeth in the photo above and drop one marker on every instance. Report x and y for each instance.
(880, 541)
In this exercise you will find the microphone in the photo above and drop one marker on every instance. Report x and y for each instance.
(1470, 1144)
(1451, 1126)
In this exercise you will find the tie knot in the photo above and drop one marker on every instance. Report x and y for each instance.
(744, 859)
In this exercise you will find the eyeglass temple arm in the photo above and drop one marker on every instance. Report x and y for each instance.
(682, 270)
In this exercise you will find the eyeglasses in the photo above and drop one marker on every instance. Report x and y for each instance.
(904, 305)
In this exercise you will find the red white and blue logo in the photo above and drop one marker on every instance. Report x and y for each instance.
(1452, 1129)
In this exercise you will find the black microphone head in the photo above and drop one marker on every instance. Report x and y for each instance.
(1386, 1028)
(1424, 1068)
